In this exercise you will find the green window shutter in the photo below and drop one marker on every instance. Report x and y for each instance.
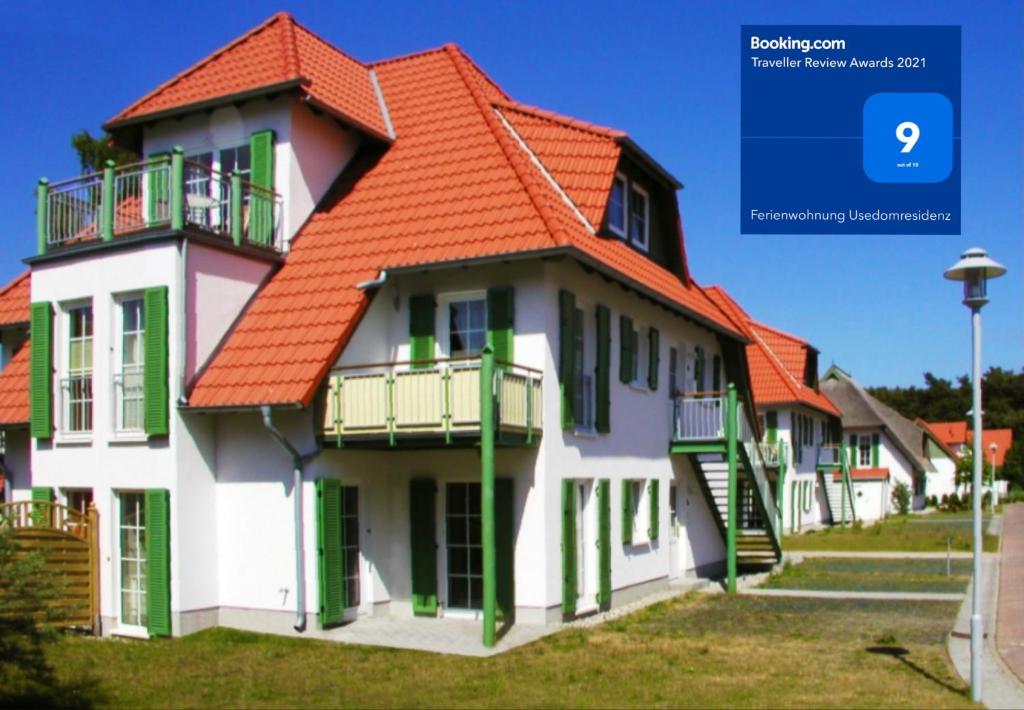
(501, 322)
(261, 204)
(41, 370)
(602, 371)
(423, 547)
(653, 357)
(875, 439)
(42, 516)
(771, 420)
(625, 349)
(853, 451)
(653, 489)
(627, 512)
(421, 330)
(329, 544)
(568, 547)
(567, 357)
(155, 371)
(604, 543)
(158, 562)
(716, 373)
(505, 545)
(158, 198)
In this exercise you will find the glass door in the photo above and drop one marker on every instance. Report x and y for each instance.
(463, 546)
(132, 554)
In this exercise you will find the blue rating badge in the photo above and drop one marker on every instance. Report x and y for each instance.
(908, 138)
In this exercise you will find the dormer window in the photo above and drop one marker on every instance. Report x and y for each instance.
(639, 217)
(617, 207)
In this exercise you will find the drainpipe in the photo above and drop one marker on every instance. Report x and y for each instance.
(297, 462)
(183, 321)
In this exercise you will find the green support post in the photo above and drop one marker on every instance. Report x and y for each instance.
(733, 488)
(487, 492)
(178, 188)
(42, 214)
(107, 202)
(780, 490)
(236, 208)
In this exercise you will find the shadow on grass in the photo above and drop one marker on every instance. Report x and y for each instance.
(900, 654)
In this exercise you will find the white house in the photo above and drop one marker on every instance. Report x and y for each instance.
(362, 339)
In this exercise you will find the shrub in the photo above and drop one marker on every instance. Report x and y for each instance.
(901, 498)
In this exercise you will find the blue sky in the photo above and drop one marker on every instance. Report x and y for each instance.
(669, 75)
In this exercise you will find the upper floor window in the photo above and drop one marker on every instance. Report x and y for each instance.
(583, 393)
(617, 206)
(128, 382)
(76, 385)
(207, 176)
(639, 217)
(864, 451)
(467, 326)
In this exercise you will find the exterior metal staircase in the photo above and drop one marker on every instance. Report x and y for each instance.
(838, 494)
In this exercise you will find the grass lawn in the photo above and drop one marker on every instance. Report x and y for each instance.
(873, 575)
(694, 651)
(911, 533)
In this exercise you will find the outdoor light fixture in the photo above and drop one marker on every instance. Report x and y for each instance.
(975, 268)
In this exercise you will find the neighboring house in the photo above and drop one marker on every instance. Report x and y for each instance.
(363, 339)
(958, 437)
(796, 417)
(14, 355)
(941, 481)
(884, 447)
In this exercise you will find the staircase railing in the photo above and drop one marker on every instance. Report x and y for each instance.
(835, 456)
(847, 482)
(757, 472)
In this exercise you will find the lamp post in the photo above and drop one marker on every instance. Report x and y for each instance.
(975, 268)
(992, 477)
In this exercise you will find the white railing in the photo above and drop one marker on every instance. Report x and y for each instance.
(73, 209)
(770, 454)
(747, 439)
(128, 401)
(698, 418)
(76, 392)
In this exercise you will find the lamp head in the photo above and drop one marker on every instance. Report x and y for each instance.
(993, 446)
(975, 268)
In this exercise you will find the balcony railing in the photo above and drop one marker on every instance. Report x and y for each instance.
(770, 454)
(76, 393)
(128, 399)
(426, 400)
(168, 192)
(830, 455)
(696, 417)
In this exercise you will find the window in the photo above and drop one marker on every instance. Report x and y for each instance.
(699, 363)
(641, 357)
(232, 159)
(200, 198)
(920, 485)
(639, 217)
(78, 499)
(797, 437)
(467, 326)
(132, 572)
(77, 385)
(864, 451)
(638, 509)
(465, 553)
(617, 206)
(350, 546)
(128, 384)
(673, 371)
(583, 394)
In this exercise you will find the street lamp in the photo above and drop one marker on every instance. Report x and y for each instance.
(992, 477)
(975, 268)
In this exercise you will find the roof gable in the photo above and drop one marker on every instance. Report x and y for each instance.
(14, 300)
(276, 53)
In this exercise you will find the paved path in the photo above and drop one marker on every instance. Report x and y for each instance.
(834, 594)
(1010, 627)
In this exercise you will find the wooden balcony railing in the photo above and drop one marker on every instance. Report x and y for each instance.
(439, 399)
(168, 192)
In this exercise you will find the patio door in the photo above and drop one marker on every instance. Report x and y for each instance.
(463, 547)
(132, 602)
(675, 525)
(586, 567)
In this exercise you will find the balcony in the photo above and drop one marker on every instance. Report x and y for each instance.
(428, 404)
(830, 456)
(770, 454)
(698, 417)
(168, 193)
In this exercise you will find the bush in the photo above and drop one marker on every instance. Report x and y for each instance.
(901, 498)
(932, 501)
(953, 503)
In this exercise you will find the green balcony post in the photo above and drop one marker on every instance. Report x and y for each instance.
(42, 215)
(487, 493)
(177, 188)
(236, 207)
(780, 489)
(107, 202)
(732, 519)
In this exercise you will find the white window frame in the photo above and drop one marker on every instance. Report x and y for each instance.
(121, 432)
(622, 231)
(67, 435)
(861, 438)
(644, 242)
(641, 511)
(442, 322)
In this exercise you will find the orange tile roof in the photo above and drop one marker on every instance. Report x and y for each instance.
(776, 360)
(276, 52)
(934, 434)
(455, 185)
(951, 433)
(14, 388)
(957, 433)
(864, 474)
(14, 300)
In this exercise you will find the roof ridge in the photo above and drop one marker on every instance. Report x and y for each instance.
(406, 57)
(743, 324)
(783, 333)
(562, 119)
(777, 364)
(320, 38)
(292, 63)
(202, 63)
(504, 141)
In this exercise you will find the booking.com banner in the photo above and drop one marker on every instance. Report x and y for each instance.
(850, 129)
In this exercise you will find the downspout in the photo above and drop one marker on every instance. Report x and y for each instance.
(183, 321)
(297, 462)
